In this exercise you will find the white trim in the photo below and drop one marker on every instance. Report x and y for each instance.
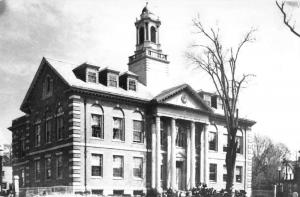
(74, 97)
(112, 147)
(74, 151)
(74, 128)
(74, 175)
(75, 135)
(74, 159)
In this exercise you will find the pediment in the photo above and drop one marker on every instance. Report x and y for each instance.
(183, 96)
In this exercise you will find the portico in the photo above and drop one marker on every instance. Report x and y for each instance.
(176, 136)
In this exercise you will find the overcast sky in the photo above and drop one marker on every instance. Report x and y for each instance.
(103, 32)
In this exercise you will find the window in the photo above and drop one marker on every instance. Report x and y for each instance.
(97, 192)
(214, 101)
(47, 87)
(59, 166)
(225, 136)
(163, 134)
(92, 77)
(181, 136)
(141, 35)
(238, 174)
(138, 193)
(22, 146)
(118, 133)
(138, 167)
(212, 141)
(224, 173)
(153, 34)
(97, 165)
(37, 132)
(213, 172)
(118, 166)
(131, 84)
(37, 169)
(112, 80)
(48, 167)
(48, 130)
(239, 140)
(59, 123)
(97, 130)
(118, 192)
(22, 177)
(138, 133)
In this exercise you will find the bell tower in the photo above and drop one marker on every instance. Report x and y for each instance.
(148, 61)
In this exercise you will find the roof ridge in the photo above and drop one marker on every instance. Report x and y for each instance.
(62, 61)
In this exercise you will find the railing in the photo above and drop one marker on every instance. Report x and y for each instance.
(149, 53)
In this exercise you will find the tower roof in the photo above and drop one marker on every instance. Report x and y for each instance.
(146, 13)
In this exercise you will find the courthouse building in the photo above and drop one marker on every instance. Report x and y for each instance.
(95, 128)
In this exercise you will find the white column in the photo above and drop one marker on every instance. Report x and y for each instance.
(158, 154)
(153, 155)
(173, 154)
(193, 155)
(188, 159)
(206, 167)
(169, 158)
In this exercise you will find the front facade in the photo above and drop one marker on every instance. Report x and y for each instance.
(89, 128)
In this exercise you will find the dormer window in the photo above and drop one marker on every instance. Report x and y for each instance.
(112, 80)
(92, 76)
(132, 84)
(214, 101)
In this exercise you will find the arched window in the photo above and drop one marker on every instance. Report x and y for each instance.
(59, 123)
(138, 127)
(153, 34)
(97, 121)
(141, 35)
(118, 125)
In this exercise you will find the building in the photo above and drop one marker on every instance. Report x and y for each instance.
(95, 128)
(6, 178)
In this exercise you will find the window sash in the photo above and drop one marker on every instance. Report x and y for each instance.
(37, 169)
(239, 140)
(213, 172)
(59, 126)
(132, 85)
(238, 174)
(97, 126)
(118, 166)
(92, 77)
(118, 131)
(138, 134)
(112, 80)
(59, 166)
(37, 129)
(48, 130)
(48, 168)
(212, 140)
(138, 167)
(97, 165)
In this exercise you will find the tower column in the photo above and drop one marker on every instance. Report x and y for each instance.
(147, 31)
(158, 154)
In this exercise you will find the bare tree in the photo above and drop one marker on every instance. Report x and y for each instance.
(221, 66)
(267, 157)
(287, 18)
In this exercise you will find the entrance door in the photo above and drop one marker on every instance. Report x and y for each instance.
(179, 175)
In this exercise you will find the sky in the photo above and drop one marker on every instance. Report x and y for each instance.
(103, 32)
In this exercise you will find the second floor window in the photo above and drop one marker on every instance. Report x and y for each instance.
(48, 168)
(138, 133)
(118, 131)
(97, 129)
(37, 133)
(37, 169)
(59, 126)
(22, 146)
(212, 141)
(118, 166)
(97, 164)
(239, 140)
(48, 130)
(225, 136)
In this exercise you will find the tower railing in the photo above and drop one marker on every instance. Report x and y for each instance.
(149, 53)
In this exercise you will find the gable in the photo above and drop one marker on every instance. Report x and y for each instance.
(185, 99)
(36, 92)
